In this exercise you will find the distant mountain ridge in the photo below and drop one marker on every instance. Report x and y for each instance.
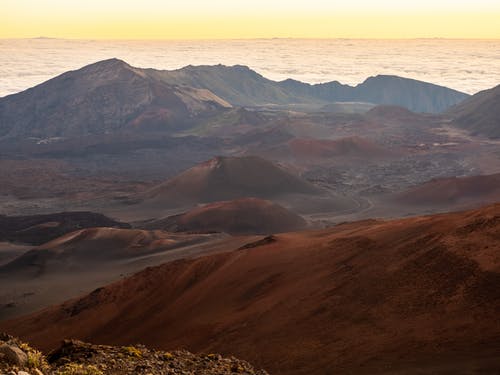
(111, 96)
(101, 98)
(479, 114)
(241, 86)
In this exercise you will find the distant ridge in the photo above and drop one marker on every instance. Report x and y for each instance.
(242, 86)
(111, 96)
(480, 113)
(104, 97)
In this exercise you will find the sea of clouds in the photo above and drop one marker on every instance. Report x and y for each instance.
(468, 66)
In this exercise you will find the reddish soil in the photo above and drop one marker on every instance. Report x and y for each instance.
(225, 178)
(446, 191)
(410, 296)
(240, 216)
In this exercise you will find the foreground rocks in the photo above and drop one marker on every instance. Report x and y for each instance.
(79, 358)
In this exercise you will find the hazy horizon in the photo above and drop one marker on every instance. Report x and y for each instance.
(28, 62)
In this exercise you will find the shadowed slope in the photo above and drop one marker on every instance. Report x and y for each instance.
(480, 114)
(454, 190)
(101, 98)
(237, 84)
(86, 259)
(95, 247)
(111, 96)
(225, 178)
(407, 296)
(38, 229)
(241, 86)
(242, 216)
(415, 95)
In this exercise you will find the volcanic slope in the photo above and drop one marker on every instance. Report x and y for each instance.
(227, 178)
(412, 296)
(240, 216)
(480, 114)
(241, 86)
(81, 261)
(472, 190)
(38, 229)
(101, 98)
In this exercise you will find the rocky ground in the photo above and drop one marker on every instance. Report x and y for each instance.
(79, 358)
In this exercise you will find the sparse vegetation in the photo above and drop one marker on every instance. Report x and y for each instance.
(79, 358)
(35, 359)
(78, 369)
(132, 351)
(167, 356)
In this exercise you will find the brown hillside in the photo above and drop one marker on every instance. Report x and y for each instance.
(105, 97)
(241, 216)
(480, 114)
(226, 178)
(79, 262)
(38, 229)
(454, 190)
(408, 296)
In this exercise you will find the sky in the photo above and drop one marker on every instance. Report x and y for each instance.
(233, 19)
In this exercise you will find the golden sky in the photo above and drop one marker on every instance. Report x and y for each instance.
(207, 19)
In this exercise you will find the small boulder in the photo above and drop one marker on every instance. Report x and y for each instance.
(12, 354)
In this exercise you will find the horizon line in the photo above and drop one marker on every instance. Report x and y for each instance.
(367, 77)
(249, 38)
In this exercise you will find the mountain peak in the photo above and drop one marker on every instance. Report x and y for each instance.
(106, 96)
(111, 62)
(111, 65)
(227, 178)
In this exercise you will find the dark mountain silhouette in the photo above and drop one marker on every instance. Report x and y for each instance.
(414, 95)
(409, 296)
(101, 98)
(480, 114)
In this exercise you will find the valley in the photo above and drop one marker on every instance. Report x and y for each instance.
(300, 227)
